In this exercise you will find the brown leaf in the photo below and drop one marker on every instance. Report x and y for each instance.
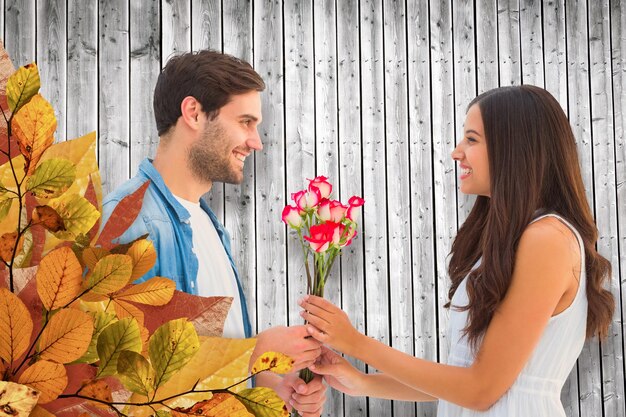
(98, 389)
(59, 278)
(122, 217)
(6, 70)
(7, 245)
(66, 337)
(39, 411)
(221, 404)
(16, 326)
(47, 217)
(49, 378)
(92, 197)
(39, 233)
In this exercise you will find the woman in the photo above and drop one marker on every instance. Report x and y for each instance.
(525, 275)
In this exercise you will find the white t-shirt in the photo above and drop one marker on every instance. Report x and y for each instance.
(215, 273)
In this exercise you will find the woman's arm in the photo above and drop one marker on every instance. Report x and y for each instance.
(543, 283)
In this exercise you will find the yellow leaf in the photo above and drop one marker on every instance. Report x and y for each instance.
(92, 255)
(110, 274)
(135, 372)
(221, 404)
(5, 205)
(144, 256)
(263, 402)
(22, 85)
(59, 278)
(101, 321)
(51, 178)
(98, 389)
(67, 336)
(92, 297)
(16, 400)
(171, 346)
(49, 378)
(78, 215)
(121, 335)
(16, 326)
(273, 361)
(156, 291)
(34, 128)
(123, 310)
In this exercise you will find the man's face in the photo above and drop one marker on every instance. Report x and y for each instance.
(219, 153)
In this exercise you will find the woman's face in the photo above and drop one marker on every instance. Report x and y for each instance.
(471, 154)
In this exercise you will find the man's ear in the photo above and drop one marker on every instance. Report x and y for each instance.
(191, 112)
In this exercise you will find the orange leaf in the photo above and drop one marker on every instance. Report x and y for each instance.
(7, 245)
(59, 278)
(123, 310)
(47, 217)
(221, 404)
(98, 389)
(92, 255)
(122, 217)
(16, 326)
(92, 297)
(156, 291)
(66, 337)
(39, 411)
(110, 274)
(49, 378)
(144, 257)
(34, 127)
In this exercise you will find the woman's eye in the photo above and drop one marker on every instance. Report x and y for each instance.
(471, 140)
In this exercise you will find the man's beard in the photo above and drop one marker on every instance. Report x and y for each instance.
(210, 157)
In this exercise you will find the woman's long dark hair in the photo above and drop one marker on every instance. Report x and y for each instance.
(533, 165)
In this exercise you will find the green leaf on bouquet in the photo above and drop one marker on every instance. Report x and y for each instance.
(22, 86)
(119, 336)
(51, 178)
(110, 274)
(135, 372)
(77, 213)
(101, 321)
(171, 346)
(263, 402)
(5, 206)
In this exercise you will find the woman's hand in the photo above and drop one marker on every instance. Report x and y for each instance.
(339, 373)
(329, 324)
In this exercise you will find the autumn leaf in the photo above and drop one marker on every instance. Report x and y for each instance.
(17, 400)
(121, 335)
(39, 411)
(221, 404)
(101, 321)
(47, 217)
(59, 278)
(171, 346)
(263, 402)
(5, 205)
(97, 389)
(156, 291)
(144, 257)
(7, 245)
(92, 255)
(124, 309)
(6, 70)
(122, 217)
(34, 128)
(49, 378)
(66, 337)
(51, 178)
(22, 86)
(135, 372)
(16, 326)
(273, 361)
(110, 274)
(77, 213)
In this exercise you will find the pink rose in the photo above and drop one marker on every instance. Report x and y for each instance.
(307, 199)
(292, 217)
(331, 210)
(323, 235)
(322, 184)
(354, 204)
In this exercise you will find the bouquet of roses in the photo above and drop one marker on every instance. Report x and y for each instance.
(324, 227)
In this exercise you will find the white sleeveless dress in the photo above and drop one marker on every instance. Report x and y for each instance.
(536, 391)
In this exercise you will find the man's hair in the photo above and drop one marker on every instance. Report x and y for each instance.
(210, 77)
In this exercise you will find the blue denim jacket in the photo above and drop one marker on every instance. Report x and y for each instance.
(167, 223)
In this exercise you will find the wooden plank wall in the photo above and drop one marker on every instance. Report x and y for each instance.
(371, 93)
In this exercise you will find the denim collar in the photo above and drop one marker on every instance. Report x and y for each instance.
(148, 170)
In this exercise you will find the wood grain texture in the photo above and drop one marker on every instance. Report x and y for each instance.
(531, 42)
(509, 42)
(19, 24)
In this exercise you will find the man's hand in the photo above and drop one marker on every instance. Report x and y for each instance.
(308, 399)
(293, 341)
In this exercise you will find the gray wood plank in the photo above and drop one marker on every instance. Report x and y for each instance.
(374, 182)
(590, 384)
(19, 23)
(531, 42)
(82, 68)
(554, 51)
(113, 74)
(605, 193)
(175, 27)
(509, 42)
(398, 185)
(444, 168)
(51, 42)
(486, 41)
(421, 180)
(348, 100)
(270, 169)
(145, 65)
(240, 201)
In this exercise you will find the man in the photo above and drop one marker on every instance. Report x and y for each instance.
(207, 107)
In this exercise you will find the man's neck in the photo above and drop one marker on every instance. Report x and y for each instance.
(173, 166)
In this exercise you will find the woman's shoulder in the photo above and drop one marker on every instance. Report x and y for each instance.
(549, 238)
